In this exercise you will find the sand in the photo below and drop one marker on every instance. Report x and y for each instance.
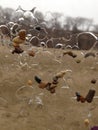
(25, 107)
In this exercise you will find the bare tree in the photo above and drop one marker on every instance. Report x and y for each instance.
(39, 15)
(7, 12)
(77, 24)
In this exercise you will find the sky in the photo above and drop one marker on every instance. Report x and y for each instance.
(73, 8)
